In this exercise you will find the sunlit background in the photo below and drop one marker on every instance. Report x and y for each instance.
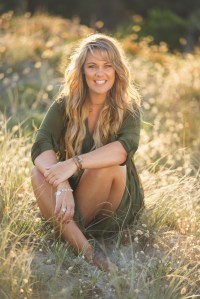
(159, 256)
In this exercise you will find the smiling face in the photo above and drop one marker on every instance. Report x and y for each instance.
(99, 74)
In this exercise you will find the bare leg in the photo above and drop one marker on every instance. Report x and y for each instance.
(100, 191)
(44, 194)
(106, 188)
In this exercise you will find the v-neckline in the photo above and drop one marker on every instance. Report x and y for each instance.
(88, 141)
(87, 128)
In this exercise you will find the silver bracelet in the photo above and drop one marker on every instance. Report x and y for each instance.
(58, 192)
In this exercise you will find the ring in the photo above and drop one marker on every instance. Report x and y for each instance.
(63, 210)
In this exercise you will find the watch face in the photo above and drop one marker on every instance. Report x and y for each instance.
(80, 159)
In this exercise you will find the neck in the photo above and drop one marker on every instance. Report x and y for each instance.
(96, 99)
(96, 104)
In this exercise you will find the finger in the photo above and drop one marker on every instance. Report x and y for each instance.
(46, 173)
(48, 181)
(69, 216)
(48, 177)
(52, 180)
(66, 216)
(56, 183)
(58, 206)
(62, 214)
(72, 213)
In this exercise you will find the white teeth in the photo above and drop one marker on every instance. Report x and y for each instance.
(100, 81)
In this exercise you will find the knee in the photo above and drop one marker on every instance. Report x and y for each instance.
(105, 171)
(37, 177)
(38, 184)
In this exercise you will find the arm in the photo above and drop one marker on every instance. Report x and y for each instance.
(44, 154)
(43, 151)
(108, 155)
(105, 156)
(45, 159)
(49, 134)
(122, 147)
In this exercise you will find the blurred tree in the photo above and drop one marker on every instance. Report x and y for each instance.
(16, 5)
(89, 11)
(182, 8)
(68, 8)
(65, 8)
(164, 25)
(193, 30)
(110, 12)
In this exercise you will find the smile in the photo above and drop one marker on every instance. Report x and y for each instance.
(100, 82)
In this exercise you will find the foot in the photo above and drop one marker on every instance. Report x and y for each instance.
(100, 260)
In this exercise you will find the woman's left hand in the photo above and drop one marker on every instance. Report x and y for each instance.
(60, 172)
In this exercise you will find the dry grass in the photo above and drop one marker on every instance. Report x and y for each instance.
(159, 255)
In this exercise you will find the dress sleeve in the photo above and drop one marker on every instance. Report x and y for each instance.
(129, 134)
(50, 130)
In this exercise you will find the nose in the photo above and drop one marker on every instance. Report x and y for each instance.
(99, 72)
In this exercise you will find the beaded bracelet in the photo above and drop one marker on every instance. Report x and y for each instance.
(58, 192)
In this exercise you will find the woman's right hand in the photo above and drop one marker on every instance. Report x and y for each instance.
(64, 200)
(60, 172)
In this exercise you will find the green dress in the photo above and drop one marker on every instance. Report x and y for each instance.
(50, 136)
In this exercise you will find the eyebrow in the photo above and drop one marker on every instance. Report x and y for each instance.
(92, 62)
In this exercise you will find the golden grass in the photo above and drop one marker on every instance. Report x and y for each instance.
(40, 37)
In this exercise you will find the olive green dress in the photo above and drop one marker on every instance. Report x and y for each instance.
(50, 136)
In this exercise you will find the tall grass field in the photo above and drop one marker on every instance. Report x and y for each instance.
(158, 256)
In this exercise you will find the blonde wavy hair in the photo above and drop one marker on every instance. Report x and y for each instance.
(121, 97)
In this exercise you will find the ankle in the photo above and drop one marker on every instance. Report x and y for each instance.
(89, 253)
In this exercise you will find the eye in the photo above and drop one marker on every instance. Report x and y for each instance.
(108, 65)
(91, 66)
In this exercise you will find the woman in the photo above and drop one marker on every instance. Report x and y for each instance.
(84, 176)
